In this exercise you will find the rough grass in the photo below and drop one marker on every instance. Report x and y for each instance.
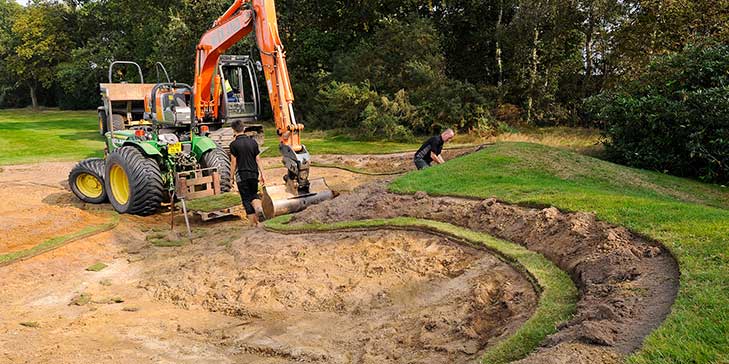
(557, 296)
(690, 218)
(581, 140)
(50, 135)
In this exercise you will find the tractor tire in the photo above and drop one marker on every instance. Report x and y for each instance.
(133, 182)
(102, 123)
(117, 122)
(86, 180)
(218, 158)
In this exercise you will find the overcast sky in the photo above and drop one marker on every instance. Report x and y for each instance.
(22, 2)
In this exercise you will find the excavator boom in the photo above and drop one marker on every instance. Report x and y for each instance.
(241, 18)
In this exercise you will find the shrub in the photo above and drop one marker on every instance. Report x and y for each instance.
(675, 118)
(339, 105)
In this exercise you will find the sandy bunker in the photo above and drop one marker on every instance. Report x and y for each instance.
(375, 297)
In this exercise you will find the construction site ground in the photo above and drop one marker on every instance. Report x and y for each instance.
(246, 295)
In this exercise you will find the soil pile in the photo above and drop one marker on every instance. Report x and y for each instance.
(374, 297)
(627, 283)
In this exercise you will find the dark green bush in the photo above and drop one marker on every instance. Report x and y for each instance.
(675, 118)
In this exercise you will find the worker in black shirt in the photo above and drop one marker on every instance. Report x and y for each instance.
(430, 151)
(246, 163)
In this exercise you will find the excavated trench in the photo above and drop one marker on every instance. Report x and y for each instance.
(359, 297)
(627, 283)
(368, 297)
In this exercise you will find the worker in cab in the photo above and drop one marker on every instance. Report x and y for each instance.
(430, 151)
(230, 92)
(246, 163)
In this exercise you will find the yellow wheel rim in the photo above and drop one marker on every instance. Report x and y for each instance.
(119, 184)
(89, 185)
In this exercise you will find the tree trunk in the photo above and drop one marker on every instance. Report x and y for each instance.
(588, 50)
(499, 64)
(33, 97)
(533, 76)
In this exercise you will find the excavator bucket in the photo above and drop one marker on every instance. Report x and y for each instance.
(281, 199)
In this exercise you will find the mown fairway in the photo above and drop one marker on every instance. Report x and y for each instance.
(53, 135)
(28, 137)
(690, 218)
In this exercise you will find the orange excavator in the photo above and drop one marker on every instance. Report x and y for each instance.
(213, 97)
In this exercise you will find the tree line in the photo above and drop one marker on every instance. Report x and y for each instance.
(375, 68)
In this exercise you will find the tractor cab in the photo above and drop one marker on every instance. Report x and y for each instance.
(169, 105)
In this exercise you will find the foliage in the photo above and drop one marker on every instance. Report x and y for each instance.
(688, 217)
(675, 118)
(457, 61)
(39, 41)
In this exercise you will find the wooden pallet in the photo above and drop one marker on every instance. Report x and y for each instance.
(197, 183)
(210, 215)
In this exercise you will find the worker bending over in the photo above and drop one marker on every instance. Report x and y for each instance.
(245, 162)
(430, 151)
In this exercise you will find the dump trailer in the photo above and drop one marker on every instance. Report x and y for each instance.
(123, 101)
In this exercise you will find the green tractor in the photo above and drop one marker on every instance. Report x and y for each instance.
(141, 162)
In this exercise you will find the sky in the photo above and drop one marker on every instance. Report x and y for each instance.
(22, 2)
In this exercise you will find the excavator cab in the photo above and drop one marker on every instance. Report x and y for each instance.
(240, 98)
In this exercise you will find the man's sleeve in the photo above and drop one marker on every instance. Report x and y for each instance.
(256, 149)
(233, 152)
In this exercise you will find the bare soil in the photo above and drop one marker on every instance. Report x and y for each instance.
(627, 283)
(384, 163)
(380, 297)
(238, 294)
(36, 206)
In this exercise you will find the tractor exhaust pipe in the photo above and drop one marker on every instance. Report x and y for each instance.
(280, 200)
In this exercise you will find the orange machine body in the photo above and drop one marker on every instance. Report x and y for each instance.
(243, 17)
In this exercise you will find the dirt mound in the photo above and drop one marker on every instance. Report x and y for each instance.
(627, 283)
(375, 297)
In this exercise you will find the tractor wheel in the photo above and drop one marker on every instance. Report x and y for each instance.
(133, 182)
(117, 122)
(217, 158)
(87, 180)
(102, 123)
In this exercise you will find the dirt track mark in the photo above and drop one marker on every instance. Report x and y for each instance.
(627, 283)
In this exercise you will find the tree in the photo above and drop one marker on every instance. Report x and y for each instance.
(39, 43)
(8, 11)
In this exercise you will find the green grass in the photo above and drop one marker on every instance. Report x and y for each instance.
(28, 137)
(59, 241)
(557, 296)
(214, 203)
(331, 142)
(690, 218)
(54, 135)
(97, 267)
(321, 142)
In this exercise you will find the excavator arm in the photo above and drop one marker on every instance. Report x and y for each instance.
(243, 17)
